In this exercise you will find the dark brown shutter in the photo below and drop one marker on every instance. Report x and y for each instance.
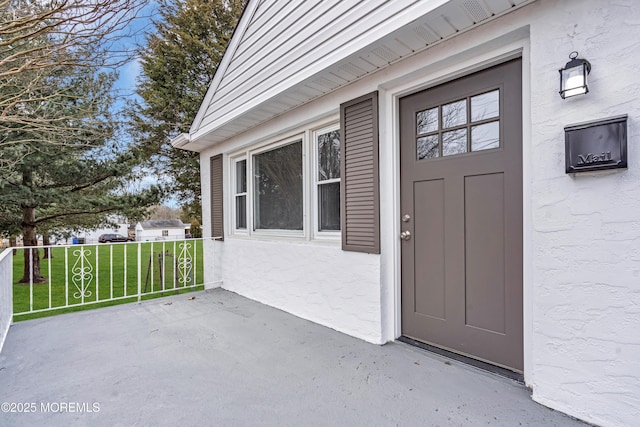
(359, 186)
(217, 213)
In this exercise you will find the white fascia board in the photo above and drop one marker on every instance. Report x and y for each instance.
(238, 34)
(181, 141)
(405, 17)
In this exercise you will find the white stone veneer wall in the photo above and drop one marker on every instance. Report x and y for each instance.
(586, 228)
(317, 282)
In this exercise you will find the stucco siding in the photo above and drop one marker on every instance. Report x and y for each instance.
(587, 226)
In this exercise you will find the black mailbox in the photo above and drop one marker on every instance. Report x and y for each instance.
(597, 145)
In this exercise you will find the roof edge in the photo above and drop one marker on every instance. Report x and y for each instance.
(197, 132)
(181, 140)
(238, 33)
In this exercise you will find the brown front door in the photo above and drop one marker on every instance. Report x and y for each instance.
(461, 209)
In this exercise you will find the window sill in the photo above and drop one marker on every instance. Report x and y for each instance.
(293, 238)
(279, 233)
(328, 236)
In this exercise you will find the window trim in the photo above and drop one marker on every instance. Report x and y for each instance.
(234, 194)
(315, 183)
(248, 155)
(305, 134)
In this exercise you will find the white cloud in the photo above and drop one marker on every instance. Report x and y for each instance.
(128, 75)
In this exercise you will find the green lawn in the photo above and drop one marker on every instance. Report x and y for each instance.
(117, 276)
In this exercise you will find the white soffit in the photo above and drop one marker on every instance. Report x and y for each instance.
(286, 53)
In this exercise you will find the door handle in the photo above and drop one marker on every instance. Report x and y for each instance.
(405, 235)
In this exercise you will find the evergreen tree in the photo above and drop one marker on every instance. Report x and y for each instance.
(77, 182)
(178, 63)
(60, 167)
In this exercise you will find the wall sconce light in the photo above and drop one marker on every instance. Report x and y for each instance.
(573, 77)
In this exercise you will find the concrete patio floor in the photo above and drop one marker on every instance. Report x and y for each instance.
(225, 360)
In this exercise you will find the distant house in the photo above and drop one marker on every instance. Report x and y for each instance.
(161, 229)
(397, 170)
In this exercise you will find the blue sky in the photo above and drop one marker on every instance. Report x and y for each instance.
(140, 27)
(125, 86)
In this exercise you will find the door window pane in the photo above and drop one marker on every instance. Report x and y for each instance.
(459, 127)
(427, 121)
(329, 155)
(485, 106)
(454, 114)
(329, 204)
(427, 147)
(454, 142)
(278, 188)
(485, 137)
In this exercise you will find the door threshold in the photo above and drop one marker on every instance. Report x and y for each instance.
(503, 372)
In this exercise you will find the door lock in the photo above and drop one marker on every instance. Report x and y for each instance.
(406, 218)
(405, 235)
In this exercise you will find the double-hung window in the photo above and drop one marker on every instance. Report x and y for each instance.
(240, 194)
(327, 180)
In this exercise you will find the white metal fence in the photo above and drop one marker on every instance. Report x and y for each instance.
(51, 278)
(6, 302)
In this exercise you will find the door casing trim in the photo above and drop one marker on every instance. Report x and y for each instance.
(506, 47)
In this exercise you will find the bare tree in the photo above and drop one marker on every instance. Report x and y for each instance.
(38, 39)
(163, 212)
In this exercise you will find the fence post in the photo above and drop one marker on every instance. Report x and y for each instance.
(139, 271)
(66, 276)
(30, 279)
(6, 293)
(125, 269)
